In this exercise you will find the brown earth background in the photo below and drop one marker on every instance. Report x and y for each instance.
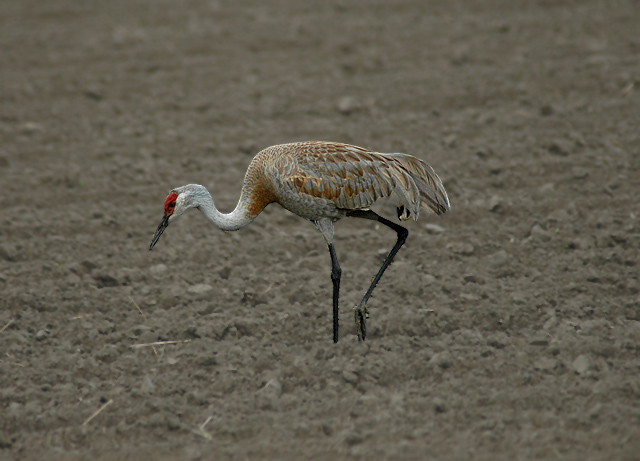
(509, 329)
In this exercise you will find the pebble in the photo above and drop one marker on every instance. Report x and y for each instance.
(40, 335)
(582, 364)
(225, 272)
(545, 363)
(560, 147)
(5, 441)
(347, 105)
(31, 128)
(547, 110)
(538, 233)
(442, 359)
(439, 405)
(428, 279)
(498, 259)
(494, 203)
(464, 249)
(158, 270)
(350, 377)
(200, 288)
(472, 278)
(105, 280)
(579, 172)
(540, 339)
(434, 228)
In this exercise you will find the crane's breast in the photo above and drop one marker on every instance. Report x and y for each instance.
(258, 190)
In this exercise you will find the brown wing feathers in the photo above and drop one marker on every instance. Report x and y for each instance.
(354, 178)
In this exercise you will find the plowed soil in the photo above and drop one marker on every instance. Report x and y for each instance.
(508, 329)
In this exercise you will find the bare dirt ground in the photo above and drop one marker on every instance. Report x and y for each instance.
(511, 331)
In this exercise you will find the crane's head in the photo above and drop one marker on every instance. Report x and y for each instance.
(177, 202)
(169, 214)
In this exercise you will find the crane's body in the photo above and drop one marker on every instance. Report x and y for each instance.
(323, 182)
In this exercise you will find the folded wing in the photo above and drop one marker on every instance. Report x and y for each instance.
(354, 178)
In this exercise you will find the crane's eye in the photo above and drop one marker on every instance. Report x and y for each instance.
(170, 202)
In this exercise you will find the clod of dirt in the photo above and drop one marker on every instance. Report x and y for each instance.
(472, 278)
(41, 335)
(538, 233)
(225, 272)
(582, 364)
(545, 364)
(498, 340)
(254, 299)
(200, 288)
(434, 228)
(560, 147)
(158, 270)
(498, 259)
(461, 248)
(439, 405)
(350, 376)
(8, 252)
(539, 339)
(30, 128)
(495, 203)
(547, 110)
(5, 441)
(347, 105)
(104, 280)
(442, 360)
(578, 172)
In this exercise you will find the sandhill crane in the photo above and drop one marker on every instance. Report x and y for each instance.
(323, 182)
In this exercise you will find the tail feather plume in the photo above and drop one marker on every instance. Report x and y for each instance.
(433, 196)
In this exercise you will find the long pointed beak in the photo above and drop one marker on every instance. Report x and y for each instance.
(161, 227)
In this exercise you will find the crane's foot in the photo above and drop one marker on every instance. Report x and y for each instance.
(361, 315)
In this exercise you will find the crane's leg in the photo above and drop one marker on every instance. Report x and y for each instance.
(361, 310)
(336, 272)
(326, 227)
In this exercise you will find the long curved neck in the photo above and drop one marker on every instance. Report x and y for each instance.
(235, 220)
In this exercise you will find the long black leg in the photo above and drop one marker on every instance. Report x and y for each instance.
(361, 310)
(325, 226)
(336, 272)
